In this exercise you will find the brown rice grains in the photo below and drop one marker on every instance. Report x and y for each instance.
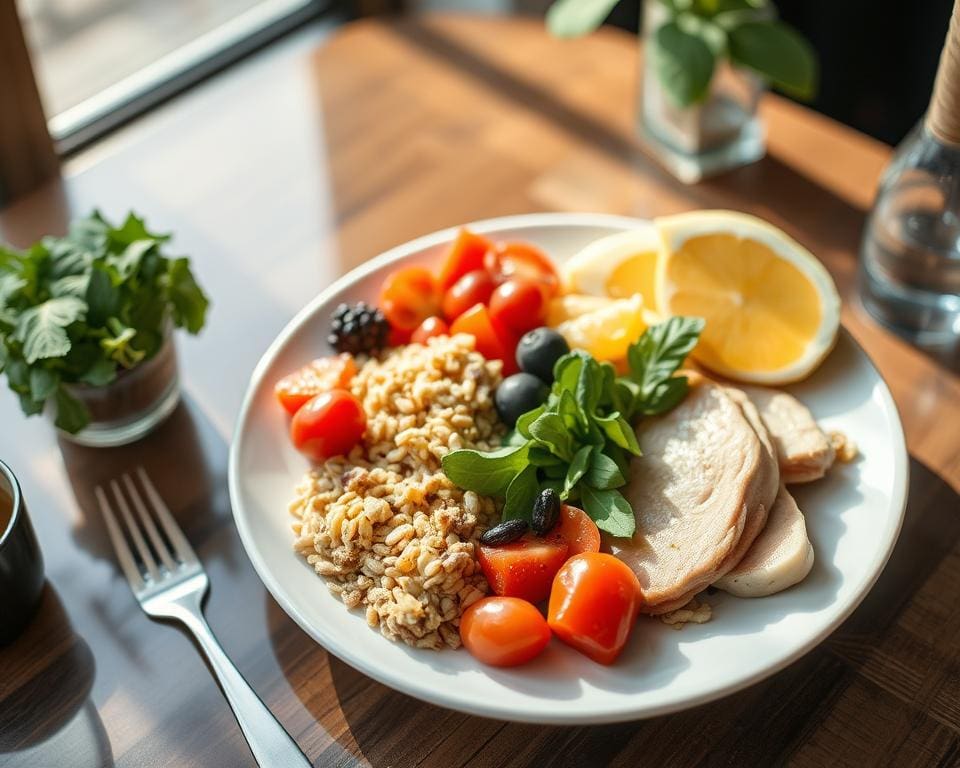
(387, 529)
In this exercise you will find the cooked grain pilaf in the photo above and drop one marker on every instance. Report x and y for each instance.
(384, 526)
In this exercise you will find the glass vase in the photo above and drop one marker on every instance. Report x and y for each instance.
(130, 406)
(721, 132)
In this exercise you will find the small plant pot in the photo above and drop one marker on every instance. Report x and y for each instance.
(132, 405)
(721, 132)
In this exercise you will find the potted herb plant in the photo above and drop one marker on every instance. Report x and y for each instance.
(86, 328)
(707, 63)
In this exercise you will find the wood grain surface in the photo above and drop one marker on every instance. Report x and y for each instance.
(302, 163)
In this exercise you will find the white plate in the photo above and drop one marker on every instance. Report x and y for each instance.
(853, 517)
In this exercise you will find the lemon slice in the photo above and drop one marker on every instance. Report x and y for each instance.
(772, 310)
(617, 266)
(605, 329)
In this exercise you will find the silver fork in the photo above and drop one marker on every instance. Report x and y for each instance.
(170, 584)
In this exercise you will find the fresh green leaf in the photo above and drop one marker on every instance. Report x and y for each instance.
(43, 383)
(625, 395)
(188, 300)
(566, 371)
(684, 63)
(549, 430)
(603, 472)
(526, 419)
(573, 416)
(102, 296)
(577, 468)
(542, 457)
(777, 52)
(661, 351)
(41, 329)
(573, 18)
(28, 405)
(10, 284)
(70, 285)
(72, 415)
(128, 261)
(521, 493)
(609, 510)
(665, 397)
(618, 430)
(100, 373)
(3, 355)
(715, 7)
(18, 375)
(513, 438)
(488, 474)
(588, 386)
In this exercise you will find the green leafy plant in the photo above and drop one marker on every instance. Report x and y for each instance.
(580, 441)
(696, 34)
(83, 308)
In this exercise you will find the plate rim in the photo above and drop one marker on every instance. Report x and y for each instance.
(438, 697)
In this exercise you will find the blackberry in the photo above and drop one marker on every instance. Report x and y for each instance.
(358, 329)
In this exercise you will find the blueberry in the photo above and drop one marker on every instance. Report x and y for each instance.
(518, 394)
(538, 350)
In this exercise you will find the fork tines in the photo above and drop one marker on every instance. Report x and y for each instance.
(155, 555)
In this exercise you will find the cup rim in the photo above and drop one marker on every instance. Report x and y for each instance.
(14, 484)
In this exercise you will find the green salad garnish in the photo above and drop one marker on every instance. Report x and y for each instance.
(580, 440)
(82, 308)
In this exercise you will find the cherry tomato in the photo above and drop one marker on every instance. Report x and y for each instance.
(330, 424)
(520, 304)
(522, 260)
(593, 605)
(432, 326)
(503, 631)
(578, 530)
(473, 288)
(465, 255)
(523, 568)
(494, 342)
(409, 296)
(296, 388)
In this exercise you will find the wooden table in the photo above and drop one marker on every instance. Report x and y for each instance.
(298, 165)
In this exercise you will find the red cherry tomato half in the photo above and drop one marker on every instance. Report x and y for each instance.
(409, 296)
(523, 568)
(519, 304)
(465, 255)
(473, 288)
(578, 530)
(330, 424)
(432, 326)
(493, 341)
(296, 388)
(594, 603)
(503, 631)
(522, 260)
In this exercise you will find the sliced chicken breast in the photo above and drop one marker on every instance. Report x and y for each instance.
(759, 498)
(780, 557)
(691, 492)
(804, 451)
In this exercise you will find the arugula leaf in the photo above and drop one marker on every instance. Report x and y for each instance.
(41, 329)
(521, 494)
(609, 510)
(603, 472)
(489, 473)
(579, 465)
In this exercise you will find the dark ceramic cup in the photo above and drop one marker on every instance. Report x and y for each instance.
(21, 564)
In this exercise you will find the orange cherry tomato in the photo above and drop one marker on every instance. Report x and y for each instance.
(493, 341)
(503, 631)
(523, 260)
(594, 604)
(330, 424)
(520, 304)
(326, 373)
(473, 288)
(432, 326)
(465, 255)
(524, 568)
(578, 530)
(409, 296)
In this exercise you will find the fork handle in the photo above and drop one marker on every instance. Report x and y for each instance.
(270, 743)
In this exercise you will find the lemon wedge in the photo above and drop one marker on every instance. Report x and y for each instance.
(617, 266)
(602, 327)
(772, 309)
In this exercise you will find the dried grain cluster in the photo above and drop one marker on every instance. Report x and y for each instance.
(384, 525)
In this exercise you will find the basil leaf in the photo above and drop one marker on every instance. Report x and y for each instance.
(661, 351)
(72, 415)
(625, 395)
(576, 470)
(609, 510)
(618, 430)
(608, 377)
(521, 494)
(684, 63)
(488, 474)
(603, 472)
(588, 386)
(550, 431)
(666, 396)
(777, 52)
